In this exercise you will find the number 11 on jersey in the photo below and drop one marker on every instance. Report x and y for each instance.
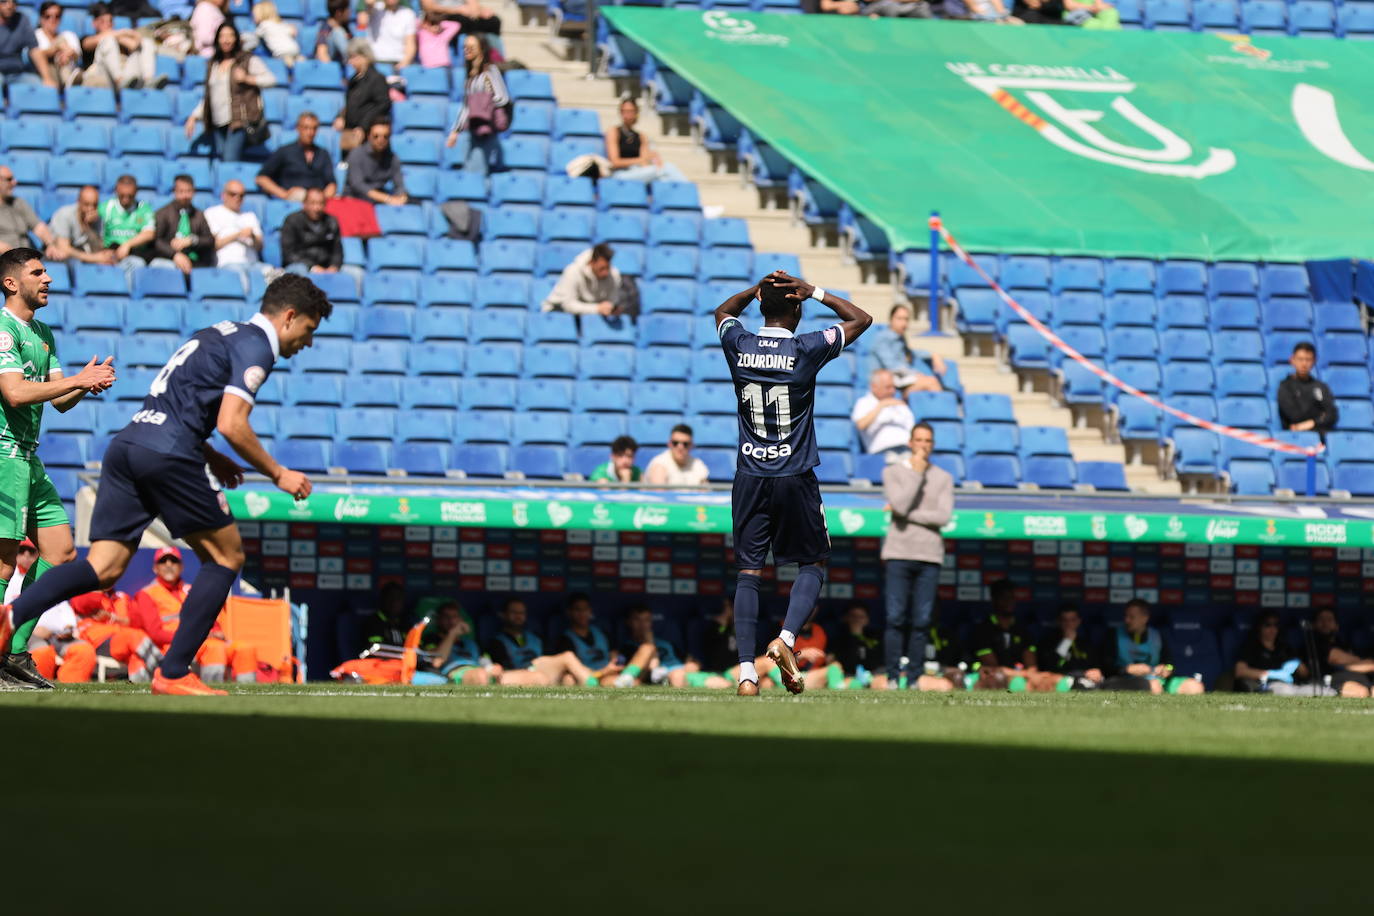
(759, 398)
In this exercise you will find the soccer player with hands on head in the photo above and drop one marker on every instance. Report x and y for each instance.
(160, 465)
(776, 499)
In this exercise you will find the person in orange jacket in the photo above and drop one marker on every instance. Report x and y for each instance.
(157, 611)
(91, 625)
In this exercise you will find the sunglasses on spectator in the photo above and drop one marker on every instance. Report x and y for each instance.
(233, 193)
(169, 560)
(682, 442)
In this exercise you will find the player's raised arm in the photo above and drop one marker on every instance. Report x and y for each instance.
(854, 320)
(233, 425)
(736, 304)
(67, 401)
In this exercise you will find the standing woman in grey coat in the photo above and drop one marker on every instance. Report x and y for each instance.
(921, 497)
(485, 97)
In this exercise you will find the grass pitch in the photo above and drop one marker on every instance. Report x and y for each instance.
(368, 800)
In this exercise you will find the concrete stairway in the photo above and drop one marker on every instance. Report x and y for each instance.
(772, 228)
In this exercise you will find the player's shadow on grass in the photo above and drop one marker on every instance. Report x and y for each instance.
(382, 816)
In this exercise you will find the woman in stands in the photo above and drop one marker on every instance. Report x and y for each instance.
(367, 100)
(233, 96)
(486, 108)
(630, 154)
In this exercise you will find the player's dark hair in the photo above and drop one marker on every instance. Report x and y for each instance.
(1303, 346)
(1140, 603)
(602, 252)
(899, 307)
(335, 7)
(629, 100)
(1264, 617)
(98, 9)
(635, 609)
(1000, 589)
(1067, 607)
(384, 121)
(506, 605)
(183, 178)
(297, 292)
(578, 596)
(926, 426)
(126, 178)
(47, 5)
(623, 444)
(13, 261)
(683, 428)
(1324, 610)
(773, 301)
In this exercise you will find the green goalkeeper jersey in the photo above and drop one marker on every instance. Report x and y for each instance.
(27, 347)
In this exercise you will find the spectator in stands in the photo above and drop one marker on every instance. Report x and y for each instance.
(1067, 651)
(980, 10)
(77, 233)
(206, 18)
(629, 153)
(649, 659)
(1306, 404)
(17, 40)
(1001, 648)
(884, 421)
(17, 218)
(675, 465)
(434, 40)
(389, 621)
(278, 35)
(1089, 14)
(120, 58)
(58, 54)
(128, 223)
(856, 655)
(311, 242)
(1266, 663)
(391, 28)
(454, 654)
(719, 651)
(485, 98)
(374, 167)
(1136, 656)
(946, 666)
(238, 234)
(1350, 674)
(921, 497)
(89, 627)
(912, 370)
(473, 17)
(183, 239)
(332, 40)
(296, 167)
(590, 285)
(521, 654)
(586, 640)
(621, 468)
(233, 97)
(367, 100)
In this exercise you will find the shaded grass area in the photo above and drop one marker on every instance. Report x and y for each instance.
(448, 800)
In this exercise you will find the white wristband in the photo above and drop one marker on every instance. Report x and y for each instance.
(818, 294)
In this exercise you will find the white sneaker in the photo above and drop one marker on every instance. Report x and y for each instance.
(624, 680)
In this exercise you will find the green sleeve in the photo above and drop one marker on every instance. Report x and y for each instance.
(53, 361)
(600, 472)
(145, 215)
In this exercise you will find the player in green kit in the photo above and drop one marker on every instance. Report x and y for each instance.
(31, 375)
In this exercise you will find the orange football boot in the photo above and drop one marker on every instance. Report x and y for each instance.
(188, 686)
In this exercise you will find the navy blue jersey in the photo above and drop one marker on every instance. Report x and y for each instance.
(182, 406)
(775, 383)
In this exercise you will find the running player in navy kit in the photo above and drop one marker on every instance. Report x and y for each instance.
(776, 500)
(161, 465)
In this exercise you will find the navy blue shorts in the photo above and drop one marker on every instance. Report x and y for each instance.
(784, 513)
(138, 484)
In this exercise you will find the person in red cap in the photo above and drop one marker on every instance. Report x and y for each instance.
(156, 610)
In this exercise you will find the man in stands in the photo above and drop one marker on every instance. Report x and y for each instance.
(676, 465)
(1306, 404)
(1136, 656)
(295, 168)
(373, 167)
(621, 468)
(311, 242)
(57, 55)
(1068, 652)
(1000, 646)
(883, 420)
(182, 239)
(17, 218)
(451, 641)
(521, 654)
(238, 234)
(128, 223)
(1351, 675)
(912, 370)
(17, 39)
(391, 27)
(120, 58)
(156, 610)
(77, 232)
(587, 641)
(591, 286)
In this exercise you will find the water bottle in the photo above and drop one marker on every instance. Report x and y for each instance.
(901, 679)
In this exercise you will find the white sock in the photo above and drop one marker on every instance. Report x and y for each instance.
(788, 637)
(747, 672)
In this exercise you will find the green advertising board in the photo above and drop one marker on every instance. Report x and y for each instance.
(1051, 140)
(843, 521)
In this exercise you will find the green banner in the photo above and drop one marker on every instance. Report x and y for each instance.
(1051, 140)
(843, 521)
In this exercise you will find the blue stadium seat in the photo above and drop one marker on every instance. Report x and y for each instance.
(1311, 18)
(1182, 278)
(1078, 308)
(362, 457)
(616, 195)
(361, 424)
(497, 324)
(1278, 345)
(1132, 343)
(988, 408)
(978, 311)
(602, 395)
(510, 223)
(529, 84)
(539, 461)
(450, 257)
(531, 118)
(1000, 471)
(1103, 475)
(1356, 414)
(1182, 311)
(725, 232)
(1044, 440)
(1130, 310)
(1076, 274)
(562, 152)
(674, 195)
(507, 257)
(312, 456)
(422, 459)
(408, 220)
(493, 393)
(462, 186)
(659, 397)
(1237, 347)
(430, 391)
(99, 280)
(63, 450)
(391, 287)
(1348, 381)
(33, 99)
(526, 155)
(1286, 314)
(1143, 374)
(1355, 20)
(935, 405)
(1137, 420)
(587, 458)
(607, 363)
(1130, 275)
(1195, 451)
(551, 361)
(1036, 302)
(1245, 412)
(1026, 348)
(426, 424)
(438, 358)
(663, 364)
(494, 360)
(1241, 379)
(1251, 477)
(1025, 272)
(1283, 280)
(1187, 377)
(543, 428)
(323, 390)
(1265, 17)
(96, 315)
(670, 262)
(1050, 472)
(1167, 15)
(598, 429)
(480, 460)
(567, 225)
(563, 191)
(426, 81)
(1215, 14)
